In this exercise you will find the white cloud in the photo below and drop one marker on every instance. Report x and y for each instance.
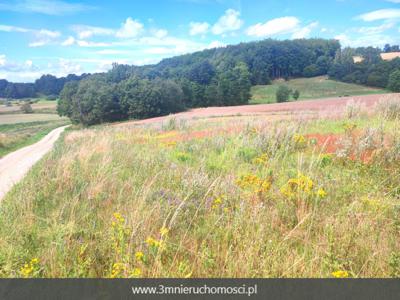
(198, 28)
(8, 28)
(85, 32)
(48, 7)
(131, 28)
(375, 40)
(69, 41)
(2, 60)
(90, 44)
(44, 37)
(230, 21)
(160, 33)
(305, 31)
(382, 14)
(41, 36)
(393, 1)
(276, 26)
(376, 29)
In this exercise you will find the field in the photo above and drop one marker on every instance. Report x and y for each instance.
(311, 88)
(40, 106)
(222, 197)
(18, 130)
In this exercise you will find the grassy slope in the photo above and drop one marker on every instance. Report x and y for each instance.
(97, 205)
(311, 88)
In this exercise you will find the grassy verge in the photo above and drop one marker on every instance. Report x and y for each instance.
(243, 198)
(15, 136)
(311, 88)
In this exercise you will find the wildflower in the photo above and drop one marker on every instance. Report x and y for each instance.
(299, 140)
(117, 270)
(321, 193)
(152, 242)
(296, 185)
(136, 272)
(119, 218)
(139, 256)
(261, 160)
(340, 274)
(164, 231)
(29, 268)
(216, 203)
(254, 183)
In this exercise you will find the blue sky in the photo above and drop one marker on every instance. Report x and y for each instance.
(61, 37)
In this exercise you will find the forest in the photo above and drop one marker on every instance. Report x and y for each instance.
(214, 77)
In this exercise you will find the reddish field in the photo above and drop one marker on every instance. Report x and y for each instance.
(330, 106)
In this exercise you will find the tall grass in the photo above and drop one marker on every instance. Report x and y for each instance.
(260, 200)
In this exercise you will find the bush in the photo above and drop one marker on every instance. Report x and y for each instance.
(283, 93)
(394, 81)
(296, 94)
(26, 108)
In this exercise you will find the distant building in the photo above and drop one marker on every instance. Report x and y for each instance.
(390, 55)
(385, 56)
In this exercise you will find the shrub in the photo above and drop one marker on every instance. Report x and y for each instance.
(283, 93)
(26, 108)
(296, 95)
(394, 81)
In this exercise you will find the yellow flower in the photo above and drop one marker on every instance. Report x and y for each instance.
(261, 160)
(254, 183)
(321, 193)
(340, 274)
(139, 256)
(296, 185)
(34, 261)
(164, 231)
(136, 272)
(152, 242)
(119, 218)
(29, 268)
(117, 270)
(299, 140)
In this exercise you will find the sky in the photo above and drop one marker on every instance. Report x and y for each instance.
(84, 36)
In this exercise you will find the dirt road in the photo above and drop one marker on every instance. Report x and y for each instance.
(14, 166)
(329, 105)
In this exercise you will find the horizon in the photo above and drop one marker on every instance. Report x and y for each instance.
(75, 37)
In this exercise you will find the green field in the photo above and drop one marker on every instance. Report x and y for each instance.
(311, 88)
(18, 130)
(40, 106)
(222, 197)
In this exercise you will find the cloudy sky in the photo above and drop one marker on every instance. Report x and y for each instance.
(64, 36)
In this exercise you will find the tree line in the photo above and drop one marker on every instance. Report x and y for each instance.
(213, 77)
(371, 71)
(46, 85)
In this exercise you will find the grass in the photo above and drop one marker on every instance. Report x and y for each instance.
(15, 136)
(311, 88)
(244, 198)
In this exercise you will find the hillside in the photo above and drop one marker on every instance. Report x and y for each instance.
(311, 88)
(240, 196)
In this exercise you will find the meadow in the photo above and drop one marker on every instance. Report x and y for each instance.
(310, 88)
(221, 197)
(18, 130)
